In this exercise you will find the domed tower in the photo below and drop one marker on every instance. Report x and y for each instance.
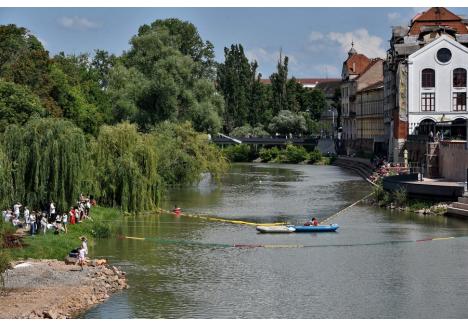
(352, 51)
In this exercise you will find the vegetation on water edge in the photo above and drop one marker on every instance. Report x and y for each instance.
(289, 154)
(50, 159)
(399, 199)
(104, 223)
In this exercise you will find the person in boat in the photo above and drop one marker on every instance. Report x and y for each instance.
(313, 222)
(176, 210)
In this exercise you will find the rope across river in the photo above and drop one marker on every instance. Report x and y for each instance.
(273, 246)
(282, 246)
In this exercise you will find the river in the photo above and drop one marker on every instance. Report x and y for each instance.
(372, 268)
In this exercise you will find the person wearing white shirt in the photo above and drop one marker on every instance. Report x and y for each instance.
(16, 209)
(27, 219)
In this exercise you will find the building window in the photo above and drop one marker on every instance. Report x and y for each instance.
(459, 77)
(428, 102)
(459, 101)
(428, 78)
(444, 55)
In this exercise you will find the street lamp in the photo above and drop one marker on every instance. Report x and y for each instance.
(332, 110)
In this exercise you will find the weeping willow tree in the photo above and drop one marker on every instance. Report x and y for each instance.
(6, 184)
(45, 161)
(185, 154)
(125, 171)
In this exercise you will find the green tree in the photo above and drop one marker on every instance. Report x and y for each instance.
(185, 154)
(49, 159)
(287, 122)
(184, 37)
(17, 104)
(278, 86)
(102, 63)
(24, 61)
(125, 88)
(125, 168)
(174, 91)
(75, 89)
(235, 82)
(314, 102)
(295, 95)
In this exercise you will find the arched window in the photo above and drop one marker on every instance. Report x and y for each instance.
(459, 77)
(428, 78)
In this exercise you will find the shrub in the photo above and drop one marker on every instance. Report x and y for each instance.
(386, 199)
(295, 154)
(238, 153)
(269, 154)
(315, 156)
(400, 196)
(378, 193)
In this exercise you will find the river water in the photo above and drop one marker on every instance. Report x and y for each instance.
(372, 268)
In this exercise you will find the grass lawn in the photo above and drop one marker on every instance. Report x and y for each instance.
(57, 246)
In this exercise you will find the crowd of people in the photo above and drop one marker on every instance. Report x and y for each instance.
(48, 218)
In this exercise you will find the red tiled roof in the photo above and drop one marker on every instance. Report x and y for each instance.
(437, 16)
(357, 61)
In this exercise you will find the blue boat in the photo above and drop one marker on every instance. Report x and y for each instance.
(318, 228)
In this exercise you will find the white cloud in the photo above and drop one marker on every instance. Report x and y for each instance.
(262, 56)
(369, 45)
(77, 23)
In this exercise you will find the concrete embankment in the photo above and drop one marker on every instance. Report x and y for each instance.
(360, 166)
(52, 289)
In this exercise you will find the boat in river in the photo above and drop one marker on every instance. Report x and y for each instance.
(275, 229)
(318, 228)
(297, 228)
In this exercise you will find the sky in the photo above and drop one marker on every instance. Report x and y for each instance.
(316, 40)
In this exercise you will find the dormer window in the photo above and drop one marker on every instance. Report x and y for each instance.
(428, 78)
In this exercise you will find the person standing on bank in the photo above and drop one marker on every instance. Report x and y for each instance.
(52, 211)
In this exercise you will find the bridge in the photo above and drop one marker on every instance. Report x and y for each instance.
(324, 145)
(268, 141)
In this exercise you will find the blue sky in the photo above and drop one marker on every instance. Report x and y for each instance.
(315, 39)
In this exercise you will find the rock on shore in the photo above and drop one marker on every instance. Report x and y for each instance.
(52, 289)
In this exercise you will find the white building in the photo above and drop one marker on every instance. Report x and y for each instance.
(437, 87)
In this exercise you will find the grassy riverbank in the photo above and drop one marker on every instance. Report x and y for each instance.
(103, 223)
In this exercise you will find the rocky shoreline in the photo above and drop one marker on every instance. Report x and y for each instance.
(52, 289)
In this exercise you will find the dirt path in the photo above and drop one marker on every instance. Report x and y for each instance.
(52, 289)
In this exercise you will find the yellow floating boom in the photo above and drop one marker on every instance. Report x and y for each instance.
(222, 220)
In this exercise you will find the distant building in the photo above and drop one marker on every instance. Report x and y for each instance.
(362, 104)
(425, 76)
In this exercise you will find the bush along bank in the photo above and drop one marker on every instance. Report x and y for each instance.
(290, 154)
(398, 200)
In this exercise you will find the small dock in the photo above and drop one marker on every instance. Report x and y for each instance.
(437, 189)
